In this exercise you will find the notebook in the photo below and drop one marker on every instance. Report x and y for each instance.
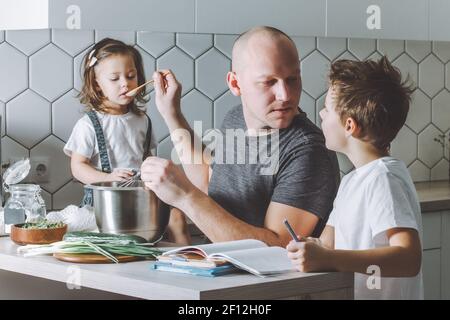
(251, 255)
(197, 271)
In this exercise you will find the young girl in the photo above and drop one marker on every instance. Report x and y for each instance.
(114, 137)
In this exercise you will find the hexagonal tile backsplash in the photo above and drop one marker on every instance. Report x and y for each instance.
(40, 77)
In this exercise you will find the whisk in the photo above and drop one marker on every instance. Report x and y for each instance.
(129, 182)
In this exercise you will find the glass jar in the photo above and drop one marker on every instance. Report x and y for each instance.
(25, 204)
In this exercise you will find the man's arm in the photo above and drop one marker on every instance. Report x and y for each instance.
(171, 185)
(188, 146)
(220, 225)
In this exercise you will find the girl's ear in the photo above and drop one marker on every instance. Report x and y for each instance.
(351, 128)
(97, 89)
(233, 83)
(96, 85)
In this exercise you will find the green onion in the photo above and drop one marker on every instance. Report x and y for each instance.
(109, 250)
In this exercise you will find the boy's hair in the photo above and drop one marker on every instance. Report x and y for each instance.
(90, 94)
(373, 94)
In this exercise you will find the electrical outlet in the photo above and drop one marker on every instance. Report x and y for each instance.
(39, 172)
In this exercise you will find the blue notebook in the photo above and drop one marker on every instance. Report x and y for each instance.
(207, 272)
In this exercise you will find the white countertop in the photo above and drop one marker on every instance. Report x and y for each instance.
(135, 279)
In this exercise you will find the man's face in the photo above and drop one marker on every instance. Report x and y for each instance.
(270, 83)
(332, 126)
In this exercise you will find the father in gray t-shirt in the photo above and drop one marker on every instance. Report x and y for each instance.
(245, 193)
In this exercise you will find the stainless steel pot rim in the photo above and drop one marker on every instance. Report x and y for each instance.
(140, 186)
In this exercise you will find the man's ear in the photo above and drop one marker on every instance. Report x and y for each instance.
(351, 128)
(233, 84)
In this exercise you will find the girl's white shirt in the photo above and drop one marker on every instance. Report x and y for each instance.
(124, 137)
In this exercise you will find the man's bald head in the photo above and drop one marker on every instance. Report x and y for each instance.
(254, 37)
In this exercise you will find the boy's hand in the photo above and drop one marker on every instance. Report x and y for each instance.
(119, 174)
(167, 93)
(309, 256)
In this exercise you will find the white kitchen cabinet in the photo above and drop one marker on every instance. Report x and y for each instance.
(439, 22)
(431, 269)
(375, 19)
(431, 222)
(295, 17)
(436, 254)
(431, 256)
(445, 255)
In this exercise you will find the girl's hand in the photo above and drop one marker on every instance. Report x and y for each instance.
(120, 174)
(309, 256)
(167, 93)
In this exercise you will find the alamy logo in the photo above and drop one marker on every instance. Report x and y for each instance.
(374, 20)
(374, 280)
(231, 146)
(74, 278)
(74, 19)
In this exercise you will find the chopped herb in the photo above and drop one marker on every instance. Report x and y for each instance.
(42, 224)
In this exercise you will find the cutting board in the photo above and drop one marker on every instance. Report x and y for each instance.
(92, 258)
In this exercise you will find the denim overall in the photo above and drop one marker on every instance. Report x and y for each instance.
(88, 198)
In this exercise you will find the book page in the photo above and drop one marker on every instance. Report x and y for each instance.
(210, 248)
(259, 261)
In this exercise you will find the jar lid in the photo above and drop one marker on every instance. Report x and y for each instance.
(17, 172)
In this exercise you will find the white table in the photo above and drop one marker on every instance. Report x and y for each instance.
(136, 280)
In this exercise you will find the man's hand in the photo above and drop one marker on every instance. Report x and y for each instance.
(167, 94)
(309, 256)
(167, 180)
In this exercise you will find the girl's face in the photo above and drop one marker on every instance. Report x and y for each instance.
(332, 127)
(115, 76)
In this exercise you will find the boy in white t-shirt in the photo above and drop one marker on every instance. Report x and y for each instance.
(375, 228)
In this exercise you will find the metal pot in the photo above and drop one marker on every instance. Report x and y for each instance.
(131, 210)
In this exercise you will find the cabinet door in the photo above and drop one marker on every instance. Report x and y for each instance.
(445, 255)
(431, 268)
(295, 17)
(431, 222)
(439, 22)
(148, 15)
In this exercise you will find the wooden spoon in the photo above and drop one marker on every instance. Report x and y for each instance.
(133, 92)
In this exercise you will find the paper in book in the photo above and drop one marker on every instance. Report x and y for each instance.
(251, 255)
(191, 259)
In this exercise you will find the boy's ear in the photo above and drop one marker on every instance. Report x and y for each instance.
(233, 84)
(351, 127)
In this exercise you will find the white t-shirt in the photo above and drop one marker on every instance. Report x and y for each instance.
(124, 137)
(371, 200)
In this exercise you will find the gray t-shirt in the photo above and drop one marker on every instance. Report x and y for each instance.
(306, 175)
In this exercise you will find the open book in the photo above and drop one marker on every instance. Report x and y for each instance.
(251, 255)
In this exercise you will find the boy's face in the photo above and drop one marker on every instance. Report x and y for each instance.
(332, 127)
(115, 76)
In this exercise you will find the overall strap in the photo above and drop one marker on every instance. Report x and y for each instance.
(148, 138)
(104, 159)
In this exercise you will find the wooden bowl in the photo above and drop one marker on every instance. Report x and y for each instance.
(23, 236)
